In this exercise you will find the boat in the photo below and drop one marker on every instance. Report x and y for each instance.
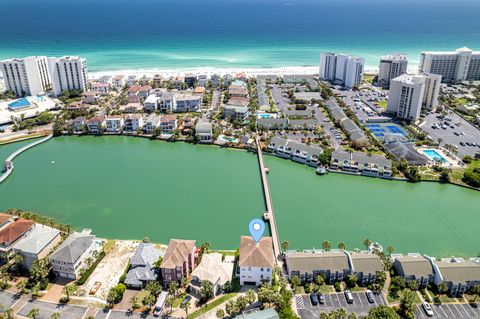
(321, 170)
(52, 162)
(267, 170)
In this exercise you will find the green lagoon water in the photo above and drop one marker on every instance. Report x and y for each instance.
(129, 188)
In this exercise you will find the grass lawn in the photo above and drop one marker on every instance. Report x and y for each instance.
(212, 305)
(368, 78)
(457, 173)
(326, 289)
(109, 245)
(299, 290)
(382, 104)
(178, 300)
(357, 289)
(400, 295)
(142, 294)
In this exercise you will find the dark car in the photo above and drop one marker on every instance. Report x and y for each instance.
(370, 296)
(321, 298)
(314, 299)
(186, 299)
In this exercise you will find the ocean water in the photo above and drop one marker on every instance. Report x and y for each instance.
(180, 34)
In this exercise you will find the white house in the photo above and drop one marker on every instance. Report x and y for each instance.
(101, 88)
(133, 122)
(187, 102)
(256, 261)
(203, 131)
(118, 81)
(151, 123)
(214, 270)
(114, 123)
(71, 256)
(168, 124)
(95, 125)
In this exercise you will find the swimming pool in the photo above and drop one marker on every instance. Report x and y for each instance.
(434, 155)
(18, 104)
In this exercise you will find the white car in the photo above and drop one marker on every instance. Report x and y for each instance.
(428, 309)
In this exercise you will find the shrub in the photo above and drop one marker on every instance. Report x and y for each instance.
(307, 288)
(89, 271)
(63, 299)
(337, 287)
(467, 159)
(471, 178)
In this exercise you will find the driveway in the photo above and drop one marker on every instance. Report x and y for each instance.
(7, 300)
(360, 305)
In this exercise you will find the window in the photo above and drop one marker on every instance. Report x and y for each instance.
(261, 269)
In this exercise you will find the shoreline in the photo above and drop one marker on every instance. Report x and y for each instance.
(234, 148)
(249, 71)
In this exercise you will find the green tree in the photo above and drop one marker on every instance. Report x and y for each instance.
(390, 250)
(476, 291)
(154, 287)
(412, 285)
(407, 303)
(68, 290)
(295, 280)
(341, 245)
(382, 312)
(251, 296)
(115, 294)
(34, 313)
(55, 315)
(285, 245)
(351, 280)
(326, 245)
(320, 279)
(148, 301)
(134, 302)
(173, 288)
(206, 291)
(185, 306)
(220, 313)
(444, 176)
(442, 288)
(367, 242)
(169, 302)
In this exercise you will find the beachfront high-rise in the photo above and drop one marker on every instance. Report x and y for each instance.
(68, 73)
(391, 66)
(27, 76)
(409, 94)
(454, 66)
(341, 69)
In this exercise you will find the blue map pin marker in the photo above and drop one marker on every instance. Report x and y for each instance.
(256, 228)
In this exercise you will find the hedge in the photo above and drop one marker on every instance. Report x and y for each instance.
(89, 271)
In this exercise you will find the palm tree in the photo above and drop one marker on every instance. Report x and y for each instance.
(169, 302)
(341, 245)
(285, 245)
(367, 242)
(390, 250)
(185, 306)
(173, 288)
(55, 315)
(68, 290)
(326, 245)
(34, 313)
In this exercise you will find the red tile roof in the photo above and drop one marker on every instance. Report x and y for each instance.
(4, 218)
(16, 229)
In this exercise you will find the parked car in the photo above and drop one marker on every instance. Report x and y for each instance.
(370, 296)
(428, 309)
(348, 296)
(314, 299)
(321, 298)
(186, 299)
(462, 143)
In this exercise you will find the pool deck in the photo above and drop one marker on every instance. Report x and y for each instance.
(450, 161)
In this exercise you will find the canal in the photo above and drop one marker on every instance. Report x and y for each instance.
(132, 188)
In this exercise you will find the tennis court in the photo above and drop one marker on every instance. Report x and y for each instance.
(380, 129)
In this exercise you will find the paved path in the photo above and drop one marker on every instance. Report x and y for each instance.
(12, 156)
(268, 201)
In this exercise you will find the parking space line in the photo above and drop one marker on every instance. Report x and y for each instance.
(360, 298)
(448, 308)
(435, 312)
(443, 311)
(459, 312)
(454, 311)
(420, 311)
(338, 299)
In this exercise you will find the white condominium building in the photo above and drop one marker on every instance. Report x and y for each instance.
(27, 76)
(342, 69)
(391, 66)
(68, 73)
(410, 93)
(460, 65)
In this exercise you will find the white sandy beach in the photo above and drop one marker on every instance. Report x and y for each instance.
(300, 70)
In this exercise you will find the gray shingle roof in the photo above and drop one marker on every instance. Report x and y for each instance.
(459, 272)
(37, 239)
(146, 254)
(307, 262)
(73, 247)
(417, 266)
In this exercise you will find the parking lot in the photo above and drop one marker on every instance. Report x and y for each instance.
(360, 305)
(7, 300)
(450, 311)
(46, 310)
(448, 136)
